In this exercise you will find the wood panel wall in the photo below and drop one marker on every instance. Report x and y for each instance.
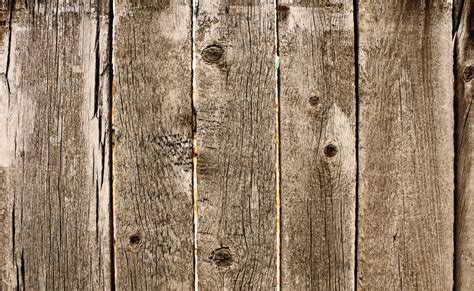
(237, 144)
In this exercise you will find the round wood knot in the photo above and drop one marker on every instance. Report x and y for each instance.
(212, 54)
(135, 240)
(221, 257)
(330, 150)
(314, 100)
(468, 73)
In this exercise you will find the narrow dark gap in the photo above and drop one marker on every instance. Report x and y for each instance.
(11, 5)
(110, 39)
(456, 17)
(357, 113)
(194, 12)
(97, 62)
(278, 144)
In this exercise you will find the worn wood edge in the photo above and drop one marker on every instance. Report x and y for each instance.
(464, 143)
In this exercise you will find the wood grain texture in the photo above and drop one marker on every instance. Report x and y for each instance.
(53, 156)
(405, 224)
(152, 156)
(465, 148)
(234, 102)
(318, 160)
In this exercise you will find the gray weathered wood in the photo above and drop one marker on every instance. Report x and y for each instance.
(318, 161)
(54, 173)
(405, 225)
(234, 102)
(152, 120)
(465, 148)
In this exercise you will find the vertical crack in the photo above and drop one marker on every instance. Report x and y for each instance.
(194, 14)
(110, 40)
(357, 128)
(11, 4)
(277, 147)
(455, 21)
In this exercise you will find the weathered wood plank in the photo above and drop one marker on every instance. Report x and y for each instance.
(318, 159)
(234, 102)
(405, 225)
(152, 156)
(465, 148)
(54, 169)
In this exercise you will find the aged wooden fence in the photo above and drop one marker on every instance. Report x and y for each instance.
(236, 144)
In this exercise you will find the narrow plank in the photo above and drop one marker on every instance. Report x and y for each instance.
(54, 154)
(152, 156)
(234, 99)
(465, 149)
(318, 159)
(7, 279)
(405, 224)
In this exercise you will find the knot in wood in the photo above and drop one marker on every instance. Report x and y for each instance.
(212, 54)
(330, 151)
(314, 100)
(135, 240)
(283, 12)
(468, 73)
(221, 257)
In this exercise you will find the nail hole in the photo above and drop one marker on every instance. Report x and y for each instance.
(212, 54)
(467, 74)
(221, 257)
(330, 150)
(314, 100)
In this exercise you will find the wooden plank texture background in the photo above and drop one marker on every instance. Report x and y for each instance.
(152, 153)
(318, 161)
(234, 102)
(236, 144)
(405, 225)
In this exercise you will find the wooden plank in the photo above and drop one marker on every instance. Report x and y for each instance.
(54, 161)
(464, 228)
(235, 84)
(318, 159)
(405, 225)
(152, 156)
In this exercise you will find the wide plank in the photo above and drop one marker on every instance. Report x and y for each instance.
(405, 219)
(234, 99)
(152, 152)
(54, 153)
(318, 157)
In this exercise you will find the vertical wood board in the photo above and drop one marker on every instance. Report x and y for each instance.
(236, 164)
(405, 223)
(318, 159)
(465, 148)
(54, 167)
(152, 153)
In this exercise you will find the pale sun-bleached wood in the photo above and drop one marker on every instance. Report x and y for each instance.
(54, 170)
(405, 220)
(152, 153)
(234, 102)
(318, 159)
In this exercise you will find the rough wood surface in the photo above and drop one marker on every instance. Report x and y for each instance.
(152, 156)
(405, 224)
(54, 174)
(318, 161)
(234, 102)
(465, 148)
